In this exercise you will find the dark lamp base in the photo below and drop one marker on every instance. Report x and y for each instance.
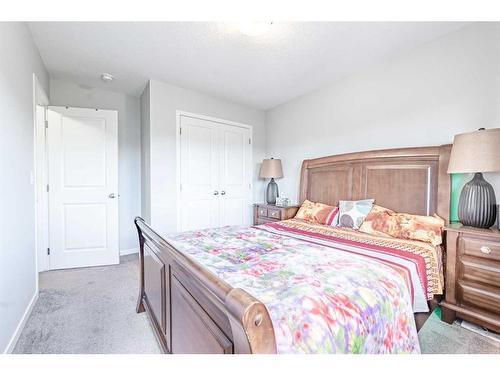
(477, 204)
(271, 192)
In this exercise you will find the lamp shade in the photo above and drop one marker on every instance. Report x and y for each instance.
(271, 168)
(477, 151)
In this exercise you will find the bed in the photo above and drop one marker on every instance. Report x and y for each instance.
(294, 287)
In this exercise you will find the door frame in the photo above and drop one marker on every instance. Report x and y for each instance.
(40, 98)
(178, 114)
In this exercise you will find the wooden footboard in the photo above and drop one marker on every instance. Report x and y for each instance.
(193, 311)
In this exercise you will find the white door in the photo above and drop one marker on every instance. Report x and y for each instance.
(215, 174)
(234, 181)
(199, 174)
(83, 187)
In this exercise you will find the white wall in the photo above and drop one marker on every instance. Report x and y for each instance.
(129, 145)
(423, 98)
(145, 156)
(18, 277)
(165, 99)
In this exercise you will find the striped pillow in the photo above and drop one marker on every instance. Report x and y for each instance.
(318, 213)
(333, 218)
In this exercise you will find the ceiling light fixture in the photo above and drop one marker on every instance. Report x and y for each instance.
(254, 28)
(106, 77)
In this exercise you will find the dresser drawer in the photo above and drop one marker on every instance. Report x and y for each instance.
(479, 270)
(480, 247)
(481, 296)
(262, 212)
(274, 214)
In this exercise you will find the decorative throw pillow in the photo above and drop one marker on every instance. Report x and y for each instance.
(352, 213)
(305, 211)
(333, 218)
(380, 221)
(317, 213)
(385, 222)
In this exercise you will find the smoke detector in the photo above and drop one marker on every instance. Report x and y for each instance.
(106, 77)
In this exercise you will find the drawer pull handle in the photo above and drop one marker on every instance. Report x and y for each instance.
(485, 249)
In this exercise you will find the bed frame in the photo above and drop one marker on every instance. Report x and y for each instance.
(193, 311)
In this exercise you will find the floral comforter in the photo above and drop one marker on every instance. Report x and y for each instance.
(321, 299)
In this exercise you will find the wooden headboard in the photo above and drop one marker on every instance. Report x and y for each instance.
(411, 180)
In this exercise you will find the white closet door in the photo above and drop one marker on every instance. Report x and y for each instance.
(234, 150)
(83, 180)
(199, 174)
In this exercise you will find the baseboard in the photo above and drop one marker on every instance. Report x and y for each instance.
(123, 252)
(13, 341)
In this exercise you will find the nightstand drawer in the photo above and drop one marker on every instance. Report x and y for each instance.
(477, 295)
(265, 213)
(472, 276)
(479, 270)
(480, 247)
(262, 212)
(261, 221)
(274, 213)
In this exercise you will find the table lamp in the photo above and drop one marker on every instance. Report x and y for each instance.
(476, 152)
(271, 168)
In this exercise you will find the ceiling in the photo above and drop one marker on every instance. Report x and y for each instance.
(290, 60)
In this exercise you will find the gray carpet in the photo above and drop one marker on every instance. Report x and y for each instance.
(88, 310)
(92, 310)
(439, 337)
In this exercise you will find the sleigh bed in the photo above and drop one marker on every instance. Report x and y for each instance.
(255, 290)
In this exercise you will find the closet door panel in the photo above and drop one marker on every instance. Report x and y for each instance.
(199, 174)
(234, 150)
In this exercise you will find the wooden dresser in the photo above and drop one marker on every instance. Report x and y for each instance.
(472, 276)
(265, 213)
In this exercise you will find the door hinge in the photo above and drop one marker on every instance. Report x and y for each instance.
(180, 187)
(46, 124)
(249, 141)
(47, 188)
(180, 131)
(48, 251)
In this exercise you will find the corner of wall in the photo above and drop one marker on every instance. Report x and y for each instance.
(145, 107)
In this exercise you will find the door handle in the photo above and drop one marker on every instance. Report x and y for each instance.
(216, 192)
(222, 192)
(112, 195)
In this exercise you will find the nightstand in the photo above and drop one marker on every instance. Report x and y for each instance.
(266, 213)
(472, 287)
